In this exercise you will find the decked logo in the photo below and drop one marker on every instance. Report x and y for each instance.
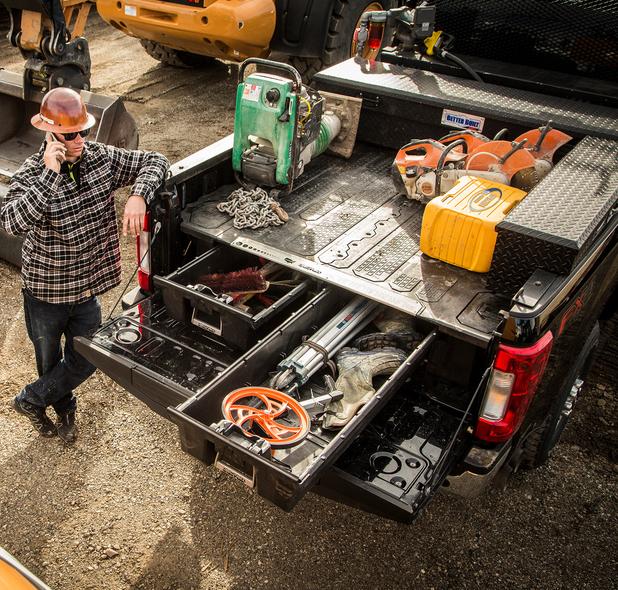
(462, 120)
(486, 199)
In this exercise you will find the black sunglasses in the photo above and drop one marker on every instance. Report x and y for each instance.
(71, 136)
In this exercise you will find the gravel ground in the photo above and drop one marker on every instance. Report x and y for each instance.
(125, 508)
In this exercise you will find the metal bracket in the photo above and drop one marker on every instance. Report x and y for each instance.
(534, 288)
(255, 444)
(249, 481)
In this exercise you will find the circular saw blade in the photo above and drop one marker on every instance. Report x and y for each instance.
(525, 179)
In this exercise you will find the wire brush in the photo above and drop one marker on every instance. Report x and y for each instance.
(247, 280)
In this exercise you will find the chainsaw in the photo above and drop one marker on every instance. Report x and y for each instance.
(424, 169)
(280, 125)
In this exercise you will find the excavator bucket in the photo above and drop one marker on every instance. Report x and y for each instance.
(48, 33)
(19, 139)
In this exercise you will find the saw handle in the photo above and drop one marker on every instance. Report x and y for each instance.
(288, 69)
(542, 135)
(516, 147)
(442, 159)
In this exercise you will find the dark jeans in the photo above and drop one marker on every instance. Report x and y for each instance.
(59, 374)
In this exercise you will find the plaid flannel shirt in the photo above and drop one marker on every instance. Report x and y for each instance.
(71, 247)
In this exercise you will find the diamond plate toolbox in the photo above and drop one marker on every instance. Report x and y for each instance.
(557, 222)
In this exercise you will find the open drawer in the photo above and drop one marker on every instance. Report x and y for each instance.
(282, 475)
(164, 361)
(396, 465)
(238, 321)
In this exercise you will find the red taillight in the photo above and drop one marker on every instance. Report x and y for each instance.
(512, 385)
(376, 33)
(143, 255)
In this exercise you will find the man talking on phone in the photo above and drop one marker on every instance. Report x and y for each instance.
(62, 201)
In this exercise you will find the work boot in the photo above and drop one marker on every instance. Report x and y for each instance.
(392, 320)
(37, 416)
(67, 430)
(356, 372)
(376, 340)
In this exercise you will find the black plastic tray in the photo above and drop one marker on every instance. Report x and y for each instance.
(234, 326)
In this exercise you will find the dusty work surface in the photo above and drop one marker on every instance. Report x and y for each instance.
(125, 509)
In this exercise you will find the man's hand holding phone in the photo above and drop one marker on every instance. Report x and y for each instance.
(54, 153)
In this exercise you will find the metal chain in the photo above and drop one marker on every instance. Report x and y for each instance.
(253, 209)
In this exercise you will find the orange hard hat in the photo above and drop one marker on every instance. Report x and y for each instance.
(63, 111)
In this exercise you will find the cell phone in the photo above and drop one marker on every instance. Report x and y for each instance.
(49, 137)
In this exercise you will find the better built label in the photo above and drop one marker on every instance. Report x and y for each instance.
(462, 120)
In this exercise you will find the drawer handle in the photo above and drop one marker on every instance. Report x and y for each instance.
(223, 466)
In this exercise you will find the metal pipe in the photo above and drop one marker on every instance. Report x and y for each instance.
(305, 360)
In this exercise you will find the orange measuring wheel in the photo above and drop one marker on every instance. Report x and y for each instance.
(267, 413)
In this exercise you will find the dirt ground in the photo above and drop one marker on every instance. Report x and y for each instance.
(125, 508)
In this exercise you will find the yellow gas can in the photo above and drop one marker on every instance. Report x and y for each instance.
(459, 227)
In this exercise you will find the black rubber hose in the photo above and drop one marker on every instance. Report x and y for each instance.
(462, 64)
(440, 165)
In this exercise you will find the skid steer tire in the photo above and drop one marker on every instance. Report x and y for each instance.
(338, 47)
(174, 57)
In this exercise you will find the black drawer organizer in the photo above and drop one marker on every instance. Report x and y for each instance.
(237, 327)
(281, 475)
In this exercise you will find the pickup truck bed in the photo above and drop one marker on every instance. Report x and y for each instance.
(350, 233)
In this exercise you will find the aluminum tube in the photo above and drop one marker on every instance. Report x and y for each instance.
(330, 334)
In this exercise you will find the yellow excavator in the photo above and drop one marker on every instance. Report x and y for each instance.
(49, 35)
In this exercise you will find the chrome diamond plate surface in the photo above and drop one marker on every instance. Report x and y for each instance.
(470, 96)
(569, 204)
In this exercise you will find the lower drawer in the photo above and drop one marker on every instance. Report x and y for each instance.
(282, 475)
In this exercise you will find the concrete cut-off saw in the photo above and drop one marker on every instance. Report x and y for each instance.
(424, 169)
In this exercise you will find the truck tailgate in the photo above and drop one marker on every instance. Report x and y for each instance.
(155, 357)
